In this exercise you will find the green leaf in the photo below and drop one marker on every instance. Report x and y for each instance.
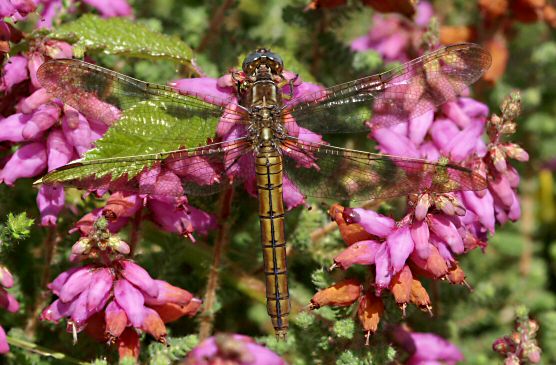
(18, 225)
(149, 127)
(123, 37)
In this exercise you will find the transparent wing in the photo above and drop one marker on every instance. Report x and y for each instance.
(339, 173)
(391, 97)
(104, 95)
(195, 171)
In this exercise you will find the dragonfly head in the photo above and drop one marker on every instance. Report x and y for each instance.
(262, 57)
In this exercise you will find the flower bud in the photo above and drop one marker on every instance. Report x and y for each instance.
(498, 158)
(514, 151)
(116, 244)
(423, 204)
(6, 278)
(341, 294)
(81, 247)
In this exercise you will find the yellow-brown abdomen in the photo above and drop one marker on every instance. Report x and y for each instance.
(271, 215)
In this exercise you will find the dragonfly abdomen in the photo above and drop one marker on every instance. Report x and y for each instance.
(271, 215)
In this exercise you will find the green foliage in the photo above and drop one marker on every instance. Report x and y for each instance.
(517, 268)
(122, 36)
(16, 228)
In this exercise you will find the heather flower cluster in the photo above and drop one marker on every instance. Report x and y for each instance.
(232, 350)
(395, 36)
(49, 134)
(7, 302)
(521, 347)
(437, 228)
(18, 10)
(112, 297)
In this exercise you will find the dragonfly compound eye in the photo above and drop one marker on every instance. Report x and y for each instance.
(260, 57)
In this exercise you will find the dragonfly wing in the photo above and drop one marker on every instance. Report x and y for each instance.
(104, 95)
(339, 173)
(394, 96)
(195, 171)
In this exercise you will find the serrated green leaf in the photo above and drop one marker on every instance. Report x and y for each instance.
(122, 36)
(149, 127)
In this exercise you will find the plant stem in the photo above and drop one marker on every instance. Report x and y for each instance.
(50, 245)
(207, 315)
(43, 351)
(215, 23)
(135, 228)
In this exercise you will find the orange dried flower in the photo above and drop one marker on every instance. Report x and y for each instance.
(456, 275)
(457, 34)
(419, 296)
(400, 286)
(433, 267)
(494, 8)
(341, 294)
(370, 310)
(500, 55)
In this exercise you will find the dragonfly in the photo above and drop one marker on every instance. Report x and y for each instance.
(258, 134)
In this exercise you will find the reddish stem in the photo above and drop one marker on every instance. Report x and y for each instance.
(207, 315)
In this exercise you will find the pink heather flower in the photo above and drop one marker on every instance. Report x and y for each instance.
(14, 72)
(426, 348)
(11, 128)
(50, 201)
(59, 151)
(8, 302)
(400, 245)
(111, 8)
(360, 253)
(232, 350)
(27, 161)
(172, 217)
(76, 130)
(17, 8)
(393, 36)
(374, 223)
(41, 120)
(123, 294)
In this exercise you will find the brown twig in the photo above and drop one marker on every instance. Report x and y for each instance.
(50, 244)
(215, 23)
(207, 314)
